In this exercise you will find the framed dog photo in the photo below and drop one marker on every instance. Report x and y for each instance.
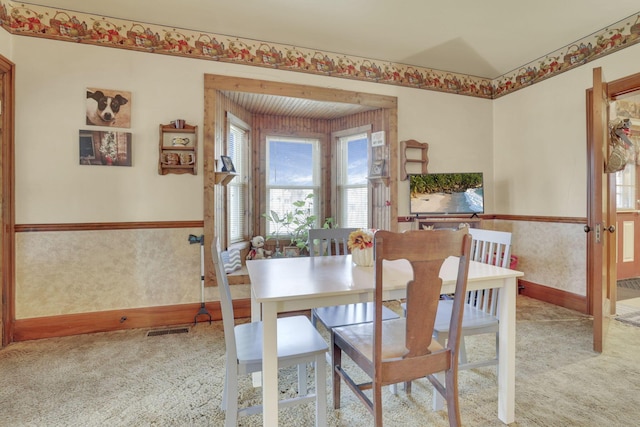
(227, 164)
(376, 168)
(107, 107)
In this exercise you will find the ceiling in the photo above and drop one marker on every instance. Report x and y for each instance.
(480, 38)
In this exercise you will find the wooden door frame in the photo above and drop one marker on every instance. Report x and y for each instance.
(616, 89)
(7, 166)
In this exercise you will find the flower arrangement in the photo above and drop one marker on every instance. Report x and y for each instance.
(360, 239)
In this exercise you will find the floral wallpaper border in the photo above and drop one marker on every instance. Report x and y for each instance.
(34, 20)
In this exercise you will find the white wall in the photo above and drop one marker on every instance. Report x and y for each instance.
(540, 146)
(51, 81)
(459, 131)
(5, 44)
(78, 272)
(530, 144)
(540, 168)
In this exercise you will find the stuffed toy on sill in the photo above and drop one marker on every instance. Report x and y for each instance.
(257, 249)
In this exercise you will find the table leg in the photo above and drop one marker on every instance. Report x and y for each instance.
(256, 316)
(269, 365)
(256, 312)
(507, 351)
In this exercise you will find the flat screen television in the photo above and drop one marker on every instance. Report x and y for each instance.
(446, 193)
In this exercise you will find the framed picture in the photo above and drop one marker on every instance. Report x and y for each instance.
(107, 107)
(107, 148)
(376, 168)
(227, 164)
(377, 139)
(291, 251)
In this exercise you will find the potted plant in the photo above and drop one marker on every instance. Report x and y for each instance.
(295, 223)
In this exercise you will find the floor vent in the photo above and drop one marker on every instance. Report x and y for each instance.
(167, 332)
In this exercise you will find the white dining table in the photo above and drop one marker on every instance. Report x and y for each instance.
(301, 283)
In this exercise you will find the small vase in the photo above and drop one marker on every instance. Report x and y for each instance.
(362, 257)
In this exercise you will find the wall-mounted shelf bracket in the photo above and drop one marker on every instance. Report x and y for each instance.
(224, 177)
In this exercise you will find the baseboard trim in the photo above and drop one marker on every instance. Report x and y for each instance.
(115, 320)
(553, 296)
(183, 314)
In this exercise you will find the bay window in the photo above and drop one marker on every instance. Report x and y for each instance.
(292, 173)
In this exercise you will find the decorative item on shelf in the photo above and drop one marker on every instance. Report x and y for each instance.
(171, 159)
(227, 164)
(361, 245)
(377, 167)
(179, 141)
(257, 250)
(186, 158)
(178, 123)
(291, 251)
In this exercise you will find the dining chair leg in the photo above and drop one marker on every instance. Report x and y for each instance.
(377, 404)
(337, 361)
(453, 410)
(321, 390)
(332, 338)
(463, 351)
(393, 388)
(230, 398)
(223, 404)
(438, 399)
(302, 379)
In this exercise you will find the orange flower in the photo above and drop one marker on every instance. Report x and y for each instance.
(360, 239)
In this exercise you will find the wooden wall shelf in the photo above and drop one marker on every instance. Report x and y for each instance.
(423, 160)
(224, 178)
(178, 150)
(383, 179)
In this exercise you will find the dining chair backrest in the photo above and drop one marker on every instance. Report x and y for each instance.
(329, 241)
(407, 350)
(489, 247)
(226, 302)
(426, 252)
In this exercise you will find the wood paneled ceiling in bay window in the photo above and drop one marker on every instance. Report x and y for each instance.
(274, 105)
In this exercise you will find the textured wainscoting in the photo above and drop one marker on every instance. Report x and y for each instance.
(550, 254)
(66, 272)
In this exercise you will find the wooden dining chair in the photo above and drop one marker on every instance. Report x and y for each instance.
(481, 307)
(403, 349)
(333, 241)
(299, 343)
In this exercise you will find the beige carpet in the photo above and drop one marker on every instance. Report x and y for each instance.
(129, 379)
